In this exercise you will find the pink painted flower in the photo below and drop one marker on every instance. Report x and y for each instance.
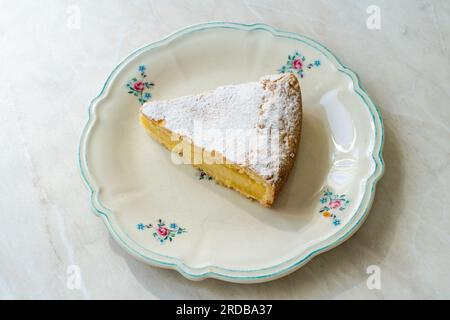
(297, 64)
(139, 86)
(162, 231)
(334, 204)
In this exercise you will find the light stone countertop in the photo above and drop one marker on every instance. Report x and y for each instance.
(54, 58)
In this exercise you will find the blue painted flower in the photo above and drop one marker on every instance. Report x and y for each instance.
(147, 95)
(141, 68)
(140, 226)
(173, 226)
(323, 200)
(336, 222)
(317, 63)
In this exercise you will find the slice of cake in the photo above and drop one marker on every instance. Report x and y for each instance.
(244, 136)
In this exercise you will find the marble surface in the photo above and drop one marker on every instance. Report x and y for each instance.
(55, 56)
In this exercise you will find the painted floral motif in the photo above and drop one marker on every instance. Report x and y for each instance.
(202, 175)
(297, 64)
(161, 231)
(139, 87)
(332, 205)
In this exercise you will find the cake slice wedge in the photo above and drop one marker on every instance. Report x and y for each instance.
(244, 136)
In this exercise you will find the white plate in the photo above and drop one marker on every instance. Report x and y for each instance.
(165, 215)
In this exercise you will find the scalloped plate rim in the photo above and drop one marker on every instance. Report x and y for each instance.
(213, 271)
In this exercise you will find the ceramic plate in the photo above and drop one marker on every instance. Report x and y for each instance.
(171, 216)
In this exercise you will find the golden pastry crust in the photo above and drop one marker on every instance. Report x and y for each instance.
(293, 138)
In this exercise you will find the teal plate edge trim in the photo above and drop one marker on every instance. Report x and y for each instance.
(293, 263)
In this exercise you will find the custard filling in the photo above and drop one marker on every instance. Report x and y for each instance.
(227, 174)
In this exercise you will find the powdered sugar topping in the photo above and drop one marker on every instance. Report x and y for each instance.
(251, 124)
